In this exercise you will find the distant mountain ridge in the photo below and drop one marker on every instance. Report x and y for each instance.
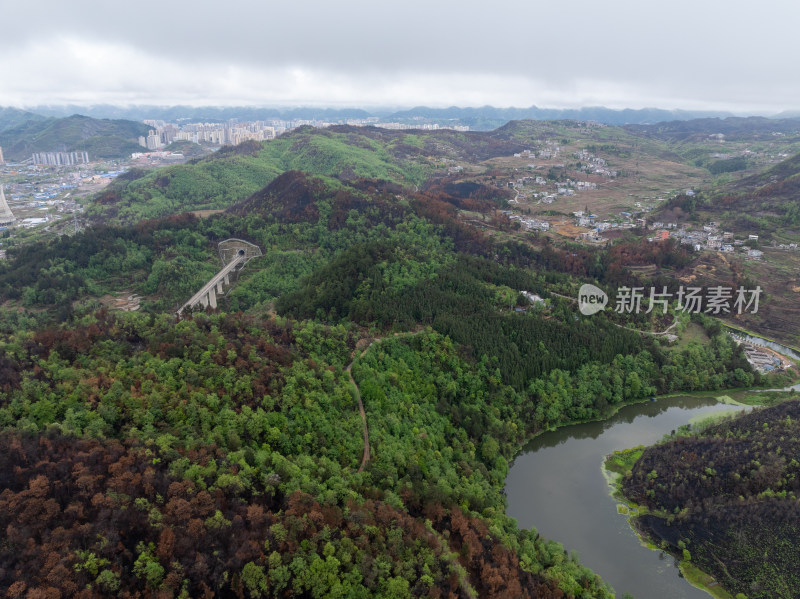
(11, 117)
(100, 138)
(477, 118)
(489, 117)
(204, 113)
(731, 127)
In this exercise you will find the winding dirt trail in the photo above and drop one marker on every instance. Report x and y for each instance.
(349, 371)
(365, 458)
(654, 333)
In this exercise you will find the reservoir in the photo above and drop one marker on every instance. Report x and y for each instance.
(556, 485)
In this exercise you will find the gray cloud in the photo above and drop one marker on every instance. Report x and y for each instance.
(699, 54)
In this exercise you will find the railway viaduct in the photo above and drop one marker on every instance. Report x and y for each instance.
(234, 254)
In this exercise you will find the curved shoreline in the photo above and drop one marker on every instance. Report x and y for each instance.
(633, 510)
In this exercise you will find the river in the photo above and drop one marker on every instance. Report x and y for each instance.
(781, 349)
(754, 340)
(556, 486)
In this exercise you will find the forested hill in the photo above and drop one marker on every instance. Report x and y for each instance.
(733, 128)
(11, 117)
(726, 498)
(775, 191)
(239, 426)
(295, 197)
(100, 138)
(220, 453)
(767, 202)
(408, 158)
(347, 153)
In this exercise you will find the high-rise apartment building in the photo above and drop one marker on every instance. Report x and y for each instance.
(60, 158)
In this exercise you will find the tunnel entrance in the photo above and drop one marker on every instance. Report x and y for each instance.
(232, 249)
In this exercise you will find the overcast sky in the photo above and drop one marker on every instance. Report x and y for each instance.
(693, 54)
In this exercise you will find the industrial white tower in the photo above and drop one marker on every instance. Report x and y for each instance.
(6, 216)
